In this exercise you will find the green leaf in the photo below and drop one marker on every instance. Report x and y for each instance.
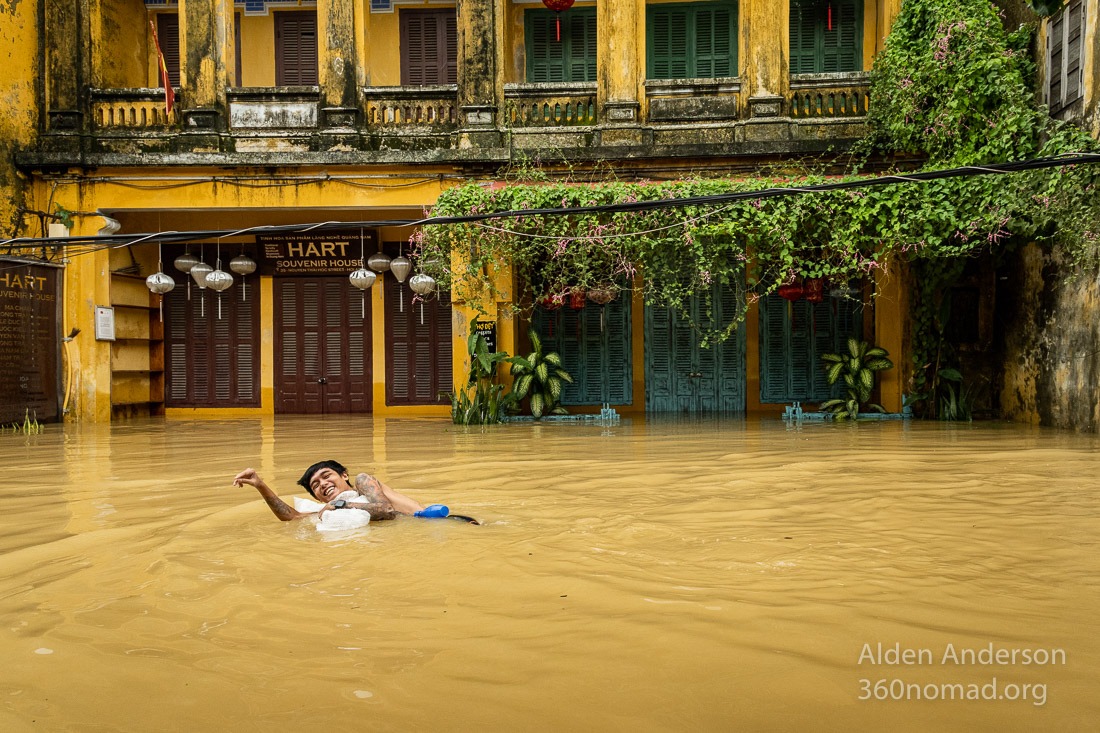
(830, 405)
(536, 342)
(866, 379)
(523, 386)
(878, 364)
(553, 358)
(876, 351)
(833, 372)
(832, 358)
(953, 375)
(854, 347)
(564, 375)
(554, 386)
(537, 404)
(542, 372)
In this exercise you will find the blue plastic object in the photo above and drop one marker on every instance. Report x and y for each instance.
(435, 511)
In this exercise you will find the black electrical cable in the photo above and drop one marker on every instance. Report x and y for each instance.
(97, 242)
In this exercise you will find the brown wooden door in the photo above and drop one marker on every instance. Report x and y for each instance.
(418, 346)
(322, 346)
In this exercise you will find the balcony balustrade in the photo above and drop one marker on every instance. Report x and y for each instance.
(550, 104)
(829, 95)
(130, 110)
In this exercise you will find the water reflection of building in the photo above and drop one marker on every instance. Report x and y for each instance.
(301, 111)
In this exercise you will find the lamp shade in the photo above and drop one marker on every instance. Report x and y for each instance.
(218, 280)
(422, 284)
(400, 267)
(362, 278)
(198, 273)
(185, 262)
(159, 283)
(242, 265)
(379, 262)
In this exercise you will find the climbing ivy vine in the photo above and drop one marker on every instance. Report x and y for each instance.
(951, 88)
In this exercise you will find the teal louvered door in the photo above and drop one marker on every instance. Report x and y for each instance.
(793, 336)
(826, 36)
(594, 344)
(684, 376)
(691, 40)
(570, 58)
(322, 346)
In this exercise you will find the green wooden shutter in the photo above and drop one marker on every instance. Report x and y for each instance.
(573, 58)
(582, 46)
(618, 372)
(840, 47)
(731, 376)
(803, 37)
(667, 43)
(773, 349)
(715, 42)
(545, 55)
(814, 49)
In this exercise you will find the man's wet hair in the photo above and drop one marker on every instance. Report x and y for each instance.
(304, 480)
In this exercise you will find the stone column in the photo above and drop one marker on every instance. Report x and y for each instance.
(619, 66)
(478, 102)
(206, 62)
(66, 44)
(337, 63)
(765, 57)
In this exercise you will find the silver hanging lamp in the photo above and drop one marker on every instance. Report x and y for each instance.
(244, 266)
(198, 274)
(362, 278)
(184, 263)
(160, 283)
(218, 279)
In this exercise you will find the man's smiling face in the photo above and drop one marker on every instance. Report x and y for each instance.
(326, 484)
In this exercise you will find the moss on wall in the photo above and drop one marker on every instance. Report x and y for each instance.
(18, 104)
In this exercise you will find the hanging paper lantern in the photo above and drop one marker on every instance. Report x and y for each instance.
(218, 280)
(362, 278)
(242, 265)
(791, 291)
(379, 262)
(198, 273)
(815, 290)
(558, 6)
(422, 284)
(159, 283)
(185, 262)
(400, 267)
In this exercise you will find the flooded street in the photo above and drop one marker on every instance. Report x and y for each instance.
(650, 576)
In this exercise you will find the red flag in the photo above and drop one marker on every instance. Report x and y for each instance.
(169, 92)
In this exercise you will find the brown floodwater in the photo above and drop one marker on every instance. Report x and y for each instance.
(648, 576)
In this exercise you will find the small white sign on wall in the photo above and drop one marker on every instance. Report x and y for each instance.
(104, 323)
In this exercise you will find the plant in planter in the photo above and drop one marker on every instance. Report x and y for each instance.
(541, 377)
(481, 401)
(857, 368)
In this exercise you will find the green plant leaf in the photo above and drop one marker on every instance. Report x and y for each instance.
(876, 351)
(554, 386)
(542, 371)
(854, 348)
(537, 404)
(953, 375)
(563, 375)
(536, 342)
(866, 379)
(833, 372)
(553, 358)
(832, 358)
(878, 364)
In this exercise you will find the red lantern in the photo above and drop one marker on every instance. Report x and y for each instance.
(576, 298)
(558, 6)
(553, 301)
(791, 291)
(815, 290)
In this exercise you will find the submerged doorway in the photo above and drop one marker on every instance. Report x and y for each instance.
(681, 374)
(322, 346)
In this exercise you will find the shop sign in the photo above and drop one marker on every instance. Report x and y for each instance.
(29, 342)
(315, 253)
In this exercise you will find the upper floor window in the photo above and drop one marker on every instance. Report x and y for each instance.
(572, 57)
(296, 48)
(429, 45)
(168, 36)
(1065, 41)
(826, 36)
(691, 40)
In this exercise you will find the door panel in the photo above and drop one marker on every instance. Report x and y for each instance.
(684, 376)
(323, 341)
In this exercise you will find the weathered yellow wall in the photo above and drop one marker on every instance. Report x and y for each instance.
(18, 105)
(120, 42)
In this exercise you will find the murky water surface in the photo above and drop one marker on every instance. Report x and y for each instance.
(650, 576)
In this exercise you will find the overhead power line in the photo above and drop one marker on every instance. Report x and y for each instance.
(95, 242)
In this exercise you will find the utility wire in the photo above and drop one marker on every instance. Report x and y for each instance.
(96, 242)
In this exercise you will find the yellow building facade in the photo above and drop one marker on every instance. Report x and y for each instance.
(361, 114)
